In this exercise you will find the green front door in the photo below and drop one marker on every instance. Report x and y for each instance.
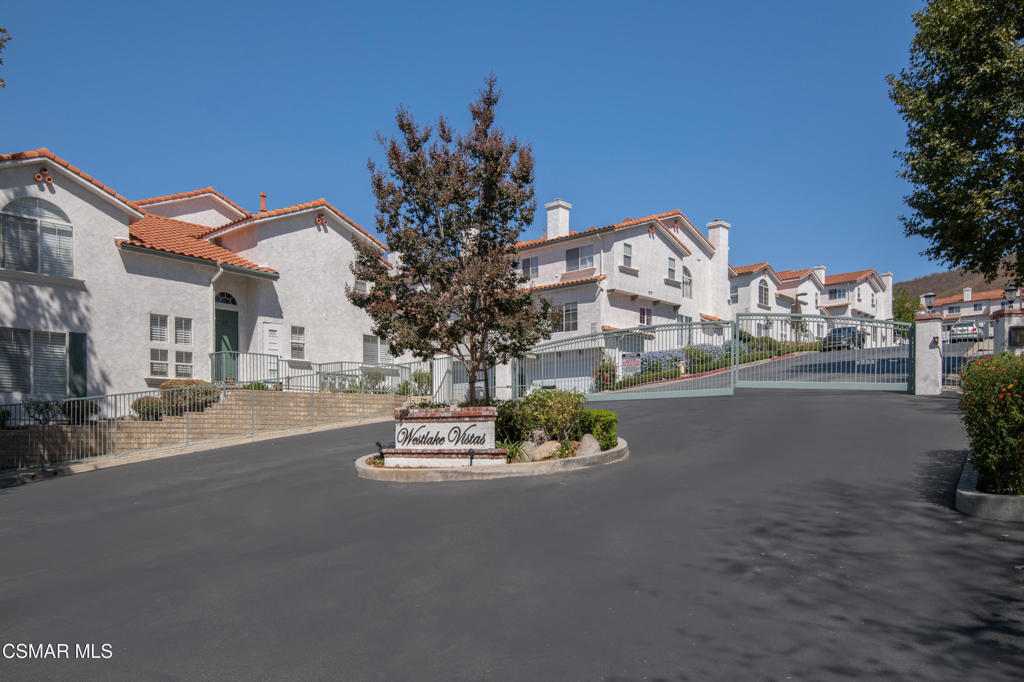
(225, 339)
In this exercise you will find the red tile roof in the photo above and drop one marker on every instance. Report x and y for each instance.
(628, 222)
(176, 236)
(990, 295)
(193, 193)
(572, 282)
(262, 215)
(835, 305)
(787, 275)
(44, 153)
(712, 318)
(747, 269)
(844, 277)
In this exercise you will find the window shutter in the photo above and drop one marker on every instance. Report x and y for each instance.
(15, 359)
(385, 352)
(19, 244)
(77, 365)
(55, 251)
(370, 353)
(157, 327)
(49, 364)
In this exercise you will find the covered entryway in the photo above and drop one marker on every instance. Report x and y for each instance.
(225, 337)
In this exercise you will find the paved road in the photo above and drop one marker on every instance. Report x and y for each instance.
(767, 535)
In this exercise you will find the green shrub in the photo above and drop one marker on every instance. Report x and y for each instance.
(697, 360)
(514, 421)
(405, 388)
(256, 386)
(372, 379)
(765, 347)
(745, 337)
(515, 451)
(557, 412)
(647, 377)
(993, 413)
(423, 381)
(602, 424)
(428, 405)
(148, 408)
(187, 395)
(604, 375)
(79, 411)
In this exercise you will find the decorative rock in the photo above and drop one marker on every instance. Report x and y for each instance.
(538, 437)
(588, 446)
(545, 451)
(528, 448)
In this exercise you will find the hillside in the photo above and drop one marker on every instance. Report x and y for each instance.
(948, 283)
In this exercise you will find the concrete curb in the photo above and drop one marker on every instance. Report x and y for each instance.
(491, 471)
(107, 461)
(986, 505)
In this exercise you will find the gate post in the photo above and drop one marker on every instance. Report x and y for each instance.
(927, 356)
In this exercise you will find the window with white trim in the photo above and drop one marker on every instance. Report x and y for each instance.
(762, 293)
(836, 294)
(646, 316)
(627, 255)
(529, 266)
(36, 236)
(157, 362)
(684, 335)
(376, 351)
(579, 258)
(953, 309)
(977, 307)
(734, 294)
(158, 328)
(183, 364)
(873, 299)
(817, 299)
(361, 286)
(569, 322)
(298, 346)
(687, 283)
(183, 331)
(49, 363)
(671, 268)
(15, 360)
(858, 295)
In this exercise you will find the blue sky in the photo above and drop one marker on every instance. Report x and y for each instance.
(773, 116)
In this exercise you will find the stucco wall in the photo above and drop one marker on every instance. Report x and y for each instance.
(202, 210)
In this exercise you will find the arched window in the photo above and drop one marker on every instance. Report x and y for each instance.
(226, 298)
(35, 236)
(762, 293)
(687, 283)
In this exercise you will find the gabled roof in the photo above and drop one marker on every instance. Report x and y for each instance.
(194, 193)
(990, 295)
(748, 269)
(628, 222)
(253, 218)
(168, 235)
(569, 283)
(44, 153)
(786, 275)
(847, 277)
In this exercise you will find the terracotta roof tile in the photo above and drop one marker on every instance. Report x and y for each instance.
(710, 318)
(572, 282)
(628, 222)
(787, 275)
(990, 295)
(44, 153)
(176, 236)
(193, 193)
(844, 277)
(747, 269)
(262, 215)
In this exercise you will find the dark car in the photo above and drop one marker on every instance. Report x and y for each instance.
(843, 337)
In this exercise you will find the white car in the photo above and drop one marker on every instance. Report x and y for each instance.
(966, 331)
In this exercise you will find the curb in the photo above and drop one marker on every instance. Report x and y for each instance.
(491, 471)
(986, 505)
(106, 461)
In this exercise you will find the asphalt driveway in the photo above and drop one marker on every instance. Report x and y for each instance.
(774, 534)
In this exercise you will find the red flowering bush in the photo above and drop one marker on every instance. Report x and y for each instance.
(993, 412)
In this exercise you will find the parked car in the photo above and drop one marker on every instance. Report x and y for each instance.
(966, 331)
(843, 337)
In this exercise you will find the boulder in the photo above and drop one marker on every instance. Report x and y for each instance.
(528, 447)
(545, 451)
(588, 446)
(538, 437)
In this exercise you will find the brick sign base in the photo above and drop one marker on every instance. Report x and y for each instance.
(444, 437)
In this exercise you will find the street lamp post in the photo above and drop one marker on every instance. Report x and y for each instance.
(929, 300)
(1010, 293)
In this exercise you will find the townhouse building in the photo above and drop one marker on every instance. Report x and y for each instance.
(971, 306)
(100, 294)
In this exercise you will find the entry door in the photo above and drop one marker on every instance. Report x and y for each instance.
(272, 345)
(225, 339)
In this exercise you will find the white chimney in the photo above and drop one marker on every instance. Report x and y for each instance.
(718, 233)
(887, 280)
(819, 270)
(967, 294)
(558, 218)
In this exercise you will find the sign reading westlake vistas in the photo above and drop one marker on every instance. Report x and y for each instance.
(446, 435)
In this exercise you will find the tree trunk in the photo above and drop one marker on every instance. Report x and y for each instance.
(471, 393)
(487, 384)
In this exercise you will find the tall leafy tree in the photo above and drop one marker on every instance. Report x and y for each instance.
(452, 205)
(4, 37)
(962, 97)
(904, 306)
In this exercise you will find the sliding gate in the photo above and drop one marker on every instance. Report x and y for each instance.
(659, 361)
(822, 351)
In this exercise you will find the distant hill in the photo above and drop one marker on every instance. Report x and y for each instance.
(948, 283)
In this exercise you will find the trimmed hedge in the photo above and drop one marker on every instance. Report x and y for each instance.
(148, 408)
(79, 411)
(603, 424)
(187, 395)
(993, 413)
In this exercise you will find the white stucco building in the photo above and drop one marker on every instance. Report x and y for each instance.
(100, 294)
(972, 306)
(640, 271)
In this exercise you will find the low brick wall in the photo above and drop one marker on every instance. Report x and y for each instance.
(239, 412)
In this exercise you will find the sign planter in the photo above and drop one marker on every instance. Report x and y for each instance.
(444, 437)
